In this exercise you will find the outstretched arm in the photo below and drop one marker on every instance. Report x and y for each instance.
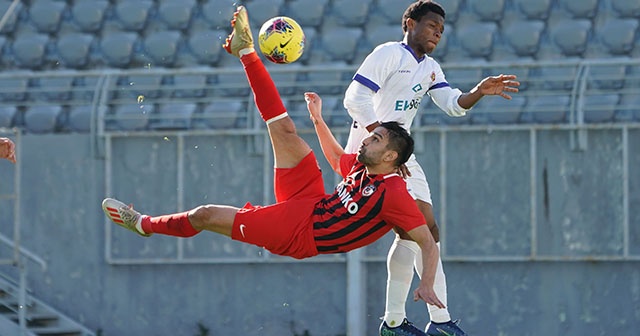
(330, 146)
(425, 292)
(494, 85)
(7, 150)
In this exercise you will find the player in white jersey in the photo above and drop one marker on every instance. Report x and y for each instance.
(389, 86)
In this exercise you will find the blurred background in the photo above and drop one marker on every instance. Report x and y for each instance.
(537, 198)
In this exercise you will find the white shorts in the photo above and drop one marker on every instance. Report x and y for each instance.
(417, 184)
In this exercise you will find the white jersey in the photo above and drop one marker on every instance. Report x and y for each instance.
(389, 86)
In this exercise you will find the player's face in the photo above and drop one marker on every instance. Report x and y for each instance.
(374, 147)
(423, 36)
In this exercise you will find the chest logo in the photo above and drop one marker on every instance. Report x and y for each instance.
(368, 190)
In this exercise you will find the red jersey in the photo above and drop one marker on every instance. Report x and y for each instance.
(362, 209)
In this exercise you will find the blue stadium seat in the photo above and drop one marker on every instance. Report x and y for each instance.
(222, 114)
(285, 78)
(29, 50)
(176, 14)
(117, 48)
(571, 36)
(477, 39)
(580, 8)
(132, 15)
(173, 116)
(263, 10)
(84, 87)
(132, 117)
(524, 36)
(488, 10)
(79, 119)
(13, 85)
(600, 107)
(535, 10)
(308, 13)
(629, 108)
(161, 47)
(350, 13)
(139, 86)
(74, 49)
(7, 115)
(12, 20)
(329, 81)
(88, 15)
(217, 13)
(626, 8)
(234, 83)
(454, 121)
(205, 45)
(54, 88)
(607, 76)
(46, 15)
(452, 9)
(618, 35)
(547, 109)
(392, 10)
(556, 77)
(503, 111)
(378, 34)
(340, 43)
(189, 85)
(42, 118)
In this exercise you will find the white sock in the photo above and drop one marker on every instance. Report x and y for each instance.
(400, 260)
(245, 51)
(437, 315)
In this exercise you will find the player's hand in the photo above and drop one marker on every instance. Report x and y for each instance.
(403, 171)
(314, 105)
(427, 295)
(7, 150)
(499, 85)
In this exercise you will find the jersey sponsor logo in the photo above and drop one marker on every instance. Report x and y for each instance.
(346, 199)
(417, 88)
(406, 105)
(242, 226)
(368, 190)
(404, 71)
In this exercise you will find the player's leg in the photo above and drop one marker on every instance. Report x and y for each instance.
(288, 148)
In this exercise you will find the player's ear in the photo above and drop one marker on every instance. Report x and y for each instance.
(390, 156)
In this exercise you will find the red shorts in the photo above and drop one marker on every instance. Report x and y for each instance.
(285, 228)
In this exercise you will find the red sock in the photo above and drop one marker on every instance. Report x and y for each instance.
(265, 92)
(173, 225)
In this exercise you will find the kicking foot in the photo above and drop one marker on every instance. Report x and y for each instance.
(123, 215)
(445, 329)
(240, 38)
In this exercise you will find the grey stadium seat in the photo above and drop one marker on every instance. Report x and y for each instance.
(571, 36)
(13, 86)
(626, 8)
(600, 107)
(340, 43)
(378, 34)
(607, 76)
(217, 13)
(53, 88)
(80, 118)
(618, 35)
(535, 10)
(139, 86)
(451, 9)
(262, 10)
(173, 116)
(74, 49)
(548, 109)
(42, 119)
(477, 38)
(7, 115)
(488, 10)
(189, 85)
(580, 8)
(132, 117)
(350, 13)
(117, 48)
(524, 36)
(222, 114)
(29, 50)
(308, 13)
(10, 24)
(392, 10)
(205, 45)
(503, 111)
(46, 15)
(628, 108)
(162, 47)
(176, 14)
(88, 15)
(133, 14)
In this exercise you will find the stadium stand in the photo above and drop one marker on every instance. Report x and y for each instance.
(176, 14)
(130, 117)
(392, 10)
(74, 49)
(7, 115)
(534, 10)
(42, 118)
(29, 50)
(132, 15)
(263, 10)
(12, 20)
(191, 85)
(308, 13)
(215, 14)
(580, 8)
(88, 15)
(46, 15)
(79, 119)
(524, 37)
(173, 116)
(161, 47)
(203, 48)
(488, 10)
(54, 88)
(452, 9)
(626, 8)
(476, 39)
(600, 107)
(221, 114)
(349, 13)
(546, 109)
(117, 48)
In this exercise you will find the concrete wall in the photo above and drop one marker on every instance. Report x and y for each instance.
(490, 191)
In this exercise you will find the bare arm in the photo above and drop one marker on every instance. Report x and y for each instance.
(7, 150)
(430, 255)
(330, 146)
(494, 85)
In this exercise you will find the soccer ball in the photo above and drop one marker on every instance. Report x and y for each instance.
(281, 40)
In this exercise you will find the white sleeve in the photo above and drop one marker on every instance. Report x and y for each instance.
(358, 100)
(446, 98)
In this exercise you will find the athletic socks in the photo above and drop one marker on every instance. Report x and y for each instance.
(177, 225)
(265, 92)
(400, 273)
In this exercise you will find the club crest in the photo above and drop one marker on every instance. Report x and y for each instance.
(368, 190)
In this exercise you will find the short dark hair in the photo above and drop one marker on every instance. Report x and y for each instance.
(399, 141)
(419, 9)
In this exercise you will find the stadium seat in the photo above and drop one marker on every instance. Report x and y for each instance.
(74, 49)
(607, 76)
(79, 119)
(13, 85)
(46, 15)
(217, 13)
(534, 10)
(571, 36)
(173, 116)
(547, 109)
(284, 77)
(132, 15)
(12, 20)
(617, 35)
(626, 8)
(29, 50)
(132, 117)
(477, 39)
(135, 87)
(88, 15)
(378, 34)
(488, 10)
(85, 87)
(600, 107)
(452, 9)
(308, 13)
(53, 88)
(261, 11)
(524, 36)
(189, 85)
(233, 83)
(117, 48)
(340, 42)
(161, 47)
(7, 115)
(330, 80)
(580, 8)
(176, 14)
(503, 111)
(202, 45)
(222, 114)
(350, 13)
(560, 77)
(392, 10)
(42, 118)
(629, 108)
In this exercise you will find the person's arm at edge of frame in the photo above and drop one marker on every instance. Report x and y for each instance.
(358, 100)
(7, 150)
(330, 146)
(430, 254)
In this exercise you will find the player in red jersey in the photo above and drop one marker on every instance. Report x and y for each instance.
(306, 221)
(7, 150)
